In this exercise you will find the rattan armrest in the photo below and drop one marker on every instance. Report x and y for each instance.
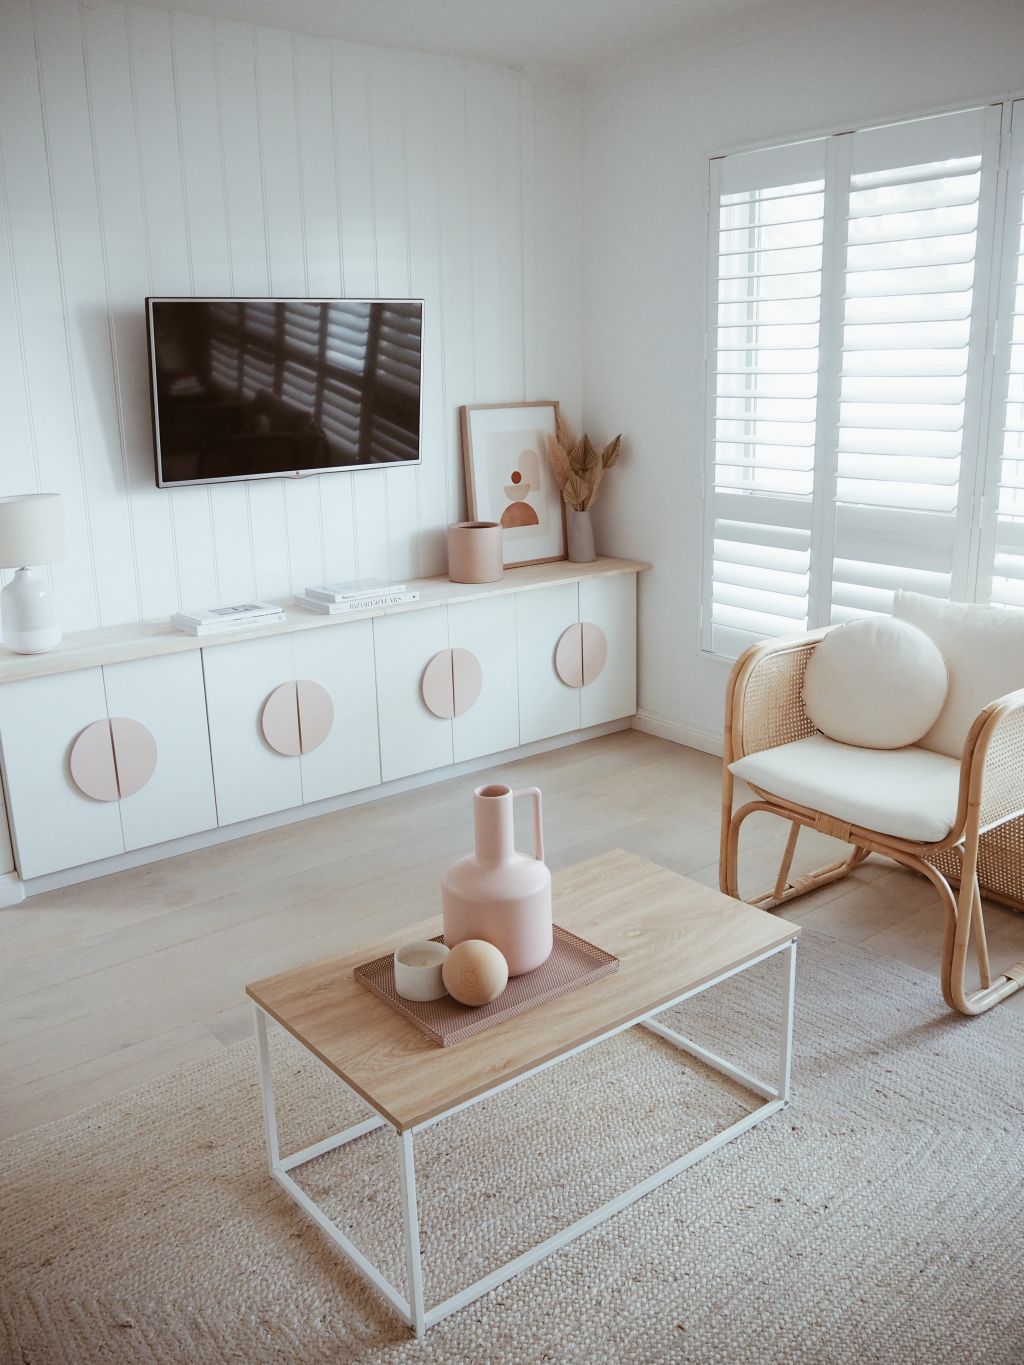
(992, 777)
(764, 703)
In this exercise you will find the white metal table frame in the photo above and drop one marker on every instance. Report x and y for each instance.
(412, 1307)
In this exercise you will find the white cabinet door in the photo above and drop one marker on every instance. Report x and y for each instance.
(412, 738)
(488, 630)
(546, 705)
(610, 604)
(167, 697)
(6, 847)
(250, 777)
(54, 824)
(340, 660)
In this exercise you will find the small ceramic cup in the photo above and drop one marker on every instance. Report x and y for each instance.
(418, 970)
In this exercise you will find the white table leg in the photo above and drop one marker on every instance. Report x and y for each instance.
(266, 1088)
(413, 1266)
(789, 1001)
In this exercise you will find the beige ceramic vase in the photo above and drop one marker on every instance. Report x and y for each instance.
(497, 894)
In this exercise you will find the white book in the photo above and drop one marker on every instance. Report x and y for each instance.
(253, 623)
(354, 588)
(373, 603)
(212, 624)
(222, 616)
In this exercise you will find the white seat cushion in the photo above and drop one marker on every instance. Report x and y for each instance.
(877, 683)
(984, 652)
(909, 793)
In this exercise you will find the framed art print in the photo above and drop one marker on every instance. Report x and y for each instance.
(509, 479)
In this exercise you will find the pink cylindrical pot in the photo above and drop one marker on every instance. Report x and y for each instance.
(497, 894)
(474, 552)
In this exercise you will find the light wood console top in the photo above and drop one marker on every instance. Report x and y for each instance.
(150, 639)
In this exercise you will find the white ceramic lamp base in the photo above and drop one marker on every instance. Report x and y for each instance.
(28, 614)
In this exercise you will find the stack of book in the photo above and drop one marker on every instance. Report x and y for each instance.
(359, 594)
(214, 620)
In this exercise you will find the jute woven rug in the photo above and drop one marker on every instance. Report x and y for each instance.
(878, 1219)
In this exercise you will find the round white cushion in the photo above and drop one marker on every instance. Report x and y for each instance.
(878, 683)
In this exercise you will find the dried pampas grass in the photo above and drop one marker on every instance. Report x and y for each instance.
(579, 468)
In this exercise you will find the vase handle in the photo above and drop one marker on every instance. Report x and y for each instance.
(538, 831)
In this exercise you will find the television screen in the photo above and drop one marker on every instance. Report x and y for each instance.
(272, 388)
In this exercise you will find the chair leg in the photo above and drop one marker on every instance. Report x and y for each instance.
(966, 914)
(959, 911)
(784, 890)
(782, 879)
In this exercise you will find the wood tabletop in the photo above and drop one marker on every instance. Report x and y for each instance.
(669, 933)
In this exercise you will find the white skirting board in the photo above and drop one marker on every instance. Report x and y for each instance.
(665, 727)
(12, 890)
(104, 867)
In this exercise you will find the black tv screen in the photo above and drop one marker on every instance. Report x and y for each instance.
(278, 388)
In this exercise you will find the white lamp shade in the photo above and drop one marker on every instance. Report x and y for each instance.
(32, 530)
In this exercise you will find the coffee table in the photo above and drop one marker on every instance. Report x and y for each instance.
(674, 937)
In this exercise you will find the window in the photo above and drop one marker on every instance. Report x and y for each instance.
(866, 364)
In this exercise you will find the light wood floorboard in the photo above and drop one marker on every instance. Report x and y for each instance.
(110, 983)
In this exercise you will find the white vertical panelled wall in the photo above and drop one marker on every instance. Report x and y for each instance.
(147, 152)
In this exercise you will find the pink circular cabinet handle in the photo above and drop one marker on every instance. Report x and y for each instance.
(134, 754)
(452, 682)
(581, 654)
(569, 657)
(92, 762)
(280, 720)
(595, 651)
(438, 685)
(316, 714)
(467, 680)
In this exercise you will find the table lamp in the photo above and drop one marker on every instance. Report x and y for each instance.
(31, 532)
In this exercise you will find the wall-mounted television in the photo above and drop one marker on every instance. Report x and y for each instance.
(280, 388)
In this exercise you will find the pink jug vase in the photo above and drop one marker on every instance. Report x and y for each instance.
(497, 894)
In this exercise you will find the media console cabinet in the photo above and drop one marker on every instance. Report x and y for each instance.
(133, 742)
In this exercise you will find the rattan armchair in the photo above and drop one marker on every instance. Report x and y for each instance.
(982, 854)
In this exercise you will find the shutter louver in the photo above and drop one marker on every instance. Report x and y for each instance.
(766, 317)
(302, 327)
(341, 417)
(1007, 582)
(224, 364)
(398, 348)
(347, 333)
(906, 346)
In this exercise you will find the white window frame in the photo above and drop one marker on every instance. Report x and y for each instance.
(996, 263)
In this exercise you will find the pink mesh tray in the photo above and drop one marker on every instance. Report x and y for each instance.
(573, 962)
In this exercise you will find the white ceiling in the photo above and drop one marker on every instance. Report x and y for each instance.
(568, 37)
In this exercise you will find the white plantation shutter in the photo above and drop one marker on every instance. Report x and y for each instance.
(1003, 564)
(398, 347)
(910, 339)
(341, 416)
(347, 333)
(847, 377)
(767, 228)
(224, 364)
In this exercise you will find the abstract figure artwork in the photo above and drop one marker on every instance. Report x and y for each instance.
(525, 479)
(509, 481)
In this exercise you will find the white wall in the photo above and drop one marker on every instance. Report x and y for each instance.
(143, 152)
(647, 133)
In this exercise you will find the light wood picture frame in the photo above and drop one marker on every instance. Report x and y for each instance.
(509, 479)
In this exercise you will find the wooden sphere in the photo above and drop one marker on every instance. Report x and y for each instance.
(475, 972)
